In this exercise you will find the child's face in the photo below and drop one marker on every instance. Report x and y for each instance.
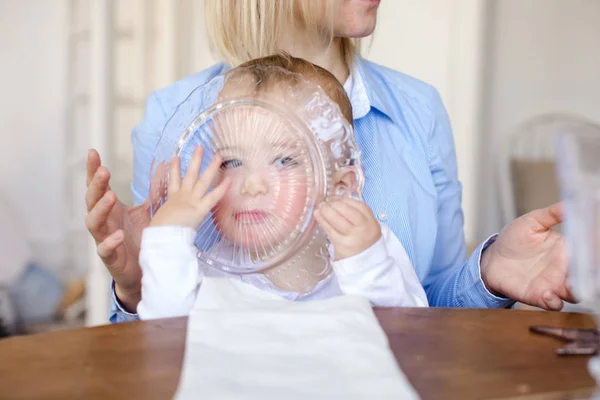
(270, 178)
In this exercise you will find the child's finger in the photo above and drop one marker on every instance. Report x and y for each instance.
(349, 212)
(360, 206)
(335, 219)
(175, 175)
(191, 176)
(334, 236)
(207, 178)
(215, 195)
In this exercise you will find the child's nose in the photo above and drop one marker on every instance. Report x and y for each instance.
(254, 185)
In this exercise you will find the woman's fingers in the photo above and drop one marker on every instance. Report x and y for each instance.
(97, 187)
(551, 301)
(96, 220)
(548, 217)
(107, 248)
(93, 163)
(568, 294)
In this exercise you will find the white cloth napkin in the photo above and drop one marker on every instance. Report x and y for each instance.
(244, 343)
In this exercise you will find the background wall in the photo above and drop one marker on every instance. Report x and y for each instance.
(32, 114)
(543, 56)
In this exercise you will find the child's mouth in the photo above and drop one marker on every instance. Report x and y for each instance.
(250, 216)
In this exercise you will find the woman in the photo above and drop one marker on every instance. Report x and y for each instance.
(408, 156)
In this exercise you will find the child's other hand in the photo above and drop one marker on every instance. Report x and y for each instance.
(350, 225)
(188, 202)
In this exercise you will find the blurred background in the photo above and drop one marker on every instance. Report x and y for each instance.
(75, 74)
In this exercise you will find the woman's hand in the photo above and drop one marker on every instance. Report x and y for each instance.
(528, 261)
(189, 201)
(116, 230)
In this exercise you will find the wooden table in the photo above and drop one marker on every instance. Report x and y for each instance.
(446, 354)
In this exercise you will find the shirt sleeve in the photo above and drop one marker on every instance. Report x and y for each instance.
(170, 273)
(382, 273)
(452, 281)
(118, 313)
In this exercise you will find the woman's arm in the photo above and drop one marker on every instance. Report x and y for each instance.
(452, 281)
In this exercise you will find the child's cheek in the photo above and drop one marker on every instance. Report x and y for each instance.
(292, 198)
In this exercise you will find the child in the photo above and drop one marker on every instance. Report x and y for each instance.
(259, 195)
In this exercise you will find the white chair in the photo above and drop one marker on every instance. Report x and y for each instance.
(527, 178)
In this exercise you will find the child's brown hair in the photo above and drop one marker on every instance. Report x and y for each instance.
(332, 87)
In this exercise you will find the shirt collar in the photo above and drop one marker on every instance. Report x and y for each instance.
(364, 92)
(357, 93)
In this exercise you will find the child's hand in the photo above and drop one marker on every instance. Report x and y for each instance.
(350, 225)
(188, 202)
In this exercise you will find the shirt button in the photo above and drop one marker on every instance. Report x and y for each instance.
(383, 216)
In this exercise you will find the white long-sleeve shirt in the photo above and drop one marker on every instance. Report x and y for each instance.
(172, 274)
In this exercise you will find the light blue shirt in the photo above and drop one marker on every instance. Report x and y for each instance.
(409, 162)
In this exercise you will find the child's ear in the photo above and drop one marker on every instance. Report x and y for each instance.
(345, 181)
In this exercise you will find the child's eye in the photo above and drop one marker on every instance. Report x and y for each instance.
(284, 162)
(234, 163)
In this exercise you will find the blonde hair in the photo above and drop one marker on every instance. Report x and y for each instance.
(242, 30)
